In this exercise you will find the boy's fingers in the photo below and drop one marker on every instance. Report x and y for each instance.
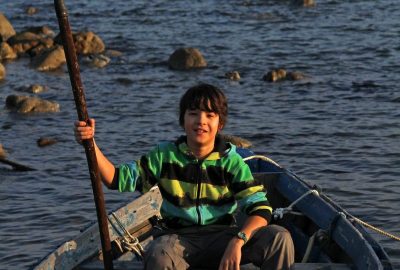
(84, 130)
(80, 124)
(92, 122)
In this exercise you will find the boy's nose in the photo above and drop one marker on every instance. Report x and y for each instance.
(202, 118)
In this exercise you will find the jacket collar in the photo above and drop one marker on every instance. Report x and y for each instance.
(221, 148)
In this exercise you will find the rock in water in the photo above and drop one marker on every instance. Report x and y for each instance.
(186, 58)
(26, 104)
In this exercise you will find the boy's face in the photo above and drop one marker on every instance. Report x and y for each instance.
(201, 127)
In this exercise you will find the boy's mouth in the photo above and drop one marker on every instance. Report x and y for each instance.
(200, 131)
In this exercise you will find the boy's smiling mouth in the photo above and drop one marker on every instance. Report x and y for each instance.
(200, 131)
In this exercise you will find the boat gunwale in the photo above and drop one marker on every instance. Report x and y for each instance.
(87, 244)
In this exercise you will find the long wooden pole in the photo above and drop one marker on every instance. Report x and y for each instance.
(80, 102)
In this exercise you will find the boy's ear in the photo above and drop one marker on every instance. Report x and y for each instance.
(220, 127)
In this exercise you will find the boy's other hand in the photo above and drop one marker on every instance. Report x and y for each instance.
(232, 256)
(84, 131)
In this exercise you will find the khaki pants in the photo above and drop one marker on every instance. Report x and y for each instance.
(270, 248)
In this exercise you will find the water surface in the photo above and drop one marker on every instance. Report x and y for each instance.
(338, 129)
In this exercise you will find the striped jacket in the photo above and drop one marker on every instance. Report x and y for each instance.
(196, 192)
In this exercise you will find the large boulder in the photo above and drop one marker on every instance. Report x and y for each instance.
(50, 59)
(6, 29)
(30, 42)
(27, 104)
(88, 43)
(6, 52)
(2, 72)
(24, 41)
(186, 58)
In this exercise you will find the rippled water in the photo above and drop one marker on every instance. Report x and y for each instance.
(339, 128)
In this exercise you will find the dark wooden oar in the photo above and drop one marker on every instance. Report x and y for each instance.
(16, 166)
(80, 102)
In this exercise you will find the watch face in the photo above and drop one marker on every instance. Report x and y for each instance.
(242, 236)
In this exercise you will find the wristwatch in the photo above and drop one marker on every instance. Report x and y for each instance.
(242, 235)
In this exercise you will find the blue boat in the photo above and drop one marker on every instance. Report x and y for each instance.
(324, 234)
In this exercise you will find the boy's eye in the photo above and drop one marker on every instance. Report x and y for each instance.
(211, 115)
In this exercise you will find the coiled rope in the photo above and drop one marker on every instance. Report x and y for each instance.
(128, 241)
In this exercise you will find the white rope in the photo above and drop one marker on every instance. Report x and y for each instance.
(363, 223)
(279, 212)
(369, 226)
(262, 158)
(310, 245)
(129, 242)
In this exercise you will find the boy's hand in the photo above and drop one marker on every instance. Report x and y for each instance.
(232, 256)
(83, 131)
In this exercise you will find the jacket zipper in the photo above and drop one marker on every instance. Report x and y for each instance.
(199, 176)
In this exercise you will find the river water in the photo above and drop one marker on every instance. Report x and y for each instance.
(339, 128)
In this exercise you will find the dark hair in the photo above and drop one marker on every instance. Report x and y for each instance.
(205, 97)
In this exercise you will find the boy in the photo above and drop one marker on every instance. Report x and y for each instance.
(203, 180)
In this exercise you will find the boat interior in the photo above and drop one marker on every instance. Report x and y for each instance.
(323, 254)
